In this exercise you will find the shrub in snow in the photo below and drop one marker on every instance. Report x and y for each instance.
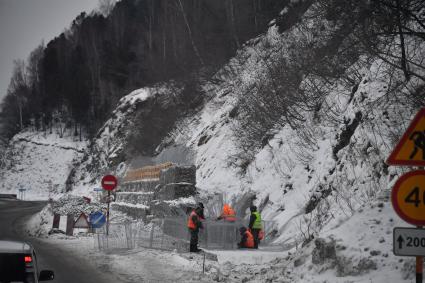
(347, 267)
(323, 251)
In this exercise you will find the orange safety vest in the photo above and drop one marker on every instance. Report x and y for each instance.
(249, 239)
(190, 223)
(228, 213)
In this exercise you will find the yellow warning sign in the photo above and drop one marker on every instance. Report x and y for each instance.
(410, 150)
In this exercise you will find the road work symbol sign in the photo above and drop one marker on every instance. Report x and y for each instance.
(410, 150)
(408, 197)
(409, 241)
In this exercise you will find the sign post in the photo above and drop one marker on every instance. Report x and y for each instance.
(22, 193)
(408, 195)
(99, 193)
(109, 183)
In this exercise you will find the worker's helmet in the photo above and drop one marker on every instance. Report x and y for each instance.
(253, 208)
(242, 230)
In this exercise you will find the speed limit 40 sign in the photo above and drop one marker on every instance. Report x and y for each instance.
(408, 197)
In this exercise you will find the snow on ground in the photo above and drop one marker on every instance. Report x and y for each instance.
(139, 265)
(147, 265)
(363, 247)
(261, 256)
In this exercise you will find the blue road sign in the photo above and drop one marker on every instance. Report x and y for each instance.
(97, 219)
(97, 189)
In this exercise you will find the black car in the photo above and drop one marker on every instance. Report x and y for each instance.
(18, 263)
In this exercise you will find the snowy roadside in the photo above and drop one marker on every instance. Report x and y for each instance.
(138, 265)
(148, 265)
(359, 249)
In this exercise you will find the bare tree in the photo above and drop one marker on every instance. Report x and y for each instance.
(189, 30)
(19, 88)
(106, 6)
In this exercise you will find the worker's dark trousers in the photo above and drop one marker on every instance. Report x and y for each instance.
(255, 233)
(193, 240)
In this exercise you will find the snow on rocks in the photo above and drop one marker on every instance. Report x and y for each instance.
(75, 205)
(40, 224)
(105, 153)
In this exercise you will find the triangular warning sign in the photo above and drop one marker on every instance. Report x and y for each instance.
(81, 221)
(410, 150)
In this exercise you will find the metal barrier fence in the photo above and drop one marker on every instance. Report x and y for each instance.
(172, 234)
(119, 237)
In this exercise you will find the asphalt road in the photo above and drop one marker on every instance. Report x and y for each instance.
(68, 268)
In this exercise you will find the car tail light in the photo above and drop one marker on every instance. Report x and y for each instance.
(28, 259)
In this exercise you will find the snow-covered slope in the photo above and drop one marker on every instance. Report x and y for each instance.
(106, 153)
(325, 178)
(40, 163)
(335, 186)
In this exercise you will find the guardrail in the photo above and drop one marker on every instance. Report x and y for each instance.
(8, 196)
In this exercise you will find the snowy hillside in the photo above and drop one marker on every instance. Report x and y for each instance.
(106, 154)
(40, 163)
(321, 180)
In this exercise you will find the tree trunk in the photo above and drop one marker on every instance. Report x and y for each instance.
(254, 2)
(190, 33)
(164, 32)
(402, 45)
(151, 17)
(20, 114)
(75, 128)
(231, 15)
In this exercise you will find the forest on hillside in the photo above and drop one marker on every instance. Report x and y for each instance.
(325, 52)
(78, 77)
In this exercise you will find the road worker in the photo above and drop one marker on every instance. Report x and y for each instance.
(227, 214)
(201, 214)
(194, 224)
(247, 239)
(255, 225)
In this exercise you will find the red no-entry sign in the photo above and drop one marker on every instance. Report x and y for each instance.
(109, 182)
